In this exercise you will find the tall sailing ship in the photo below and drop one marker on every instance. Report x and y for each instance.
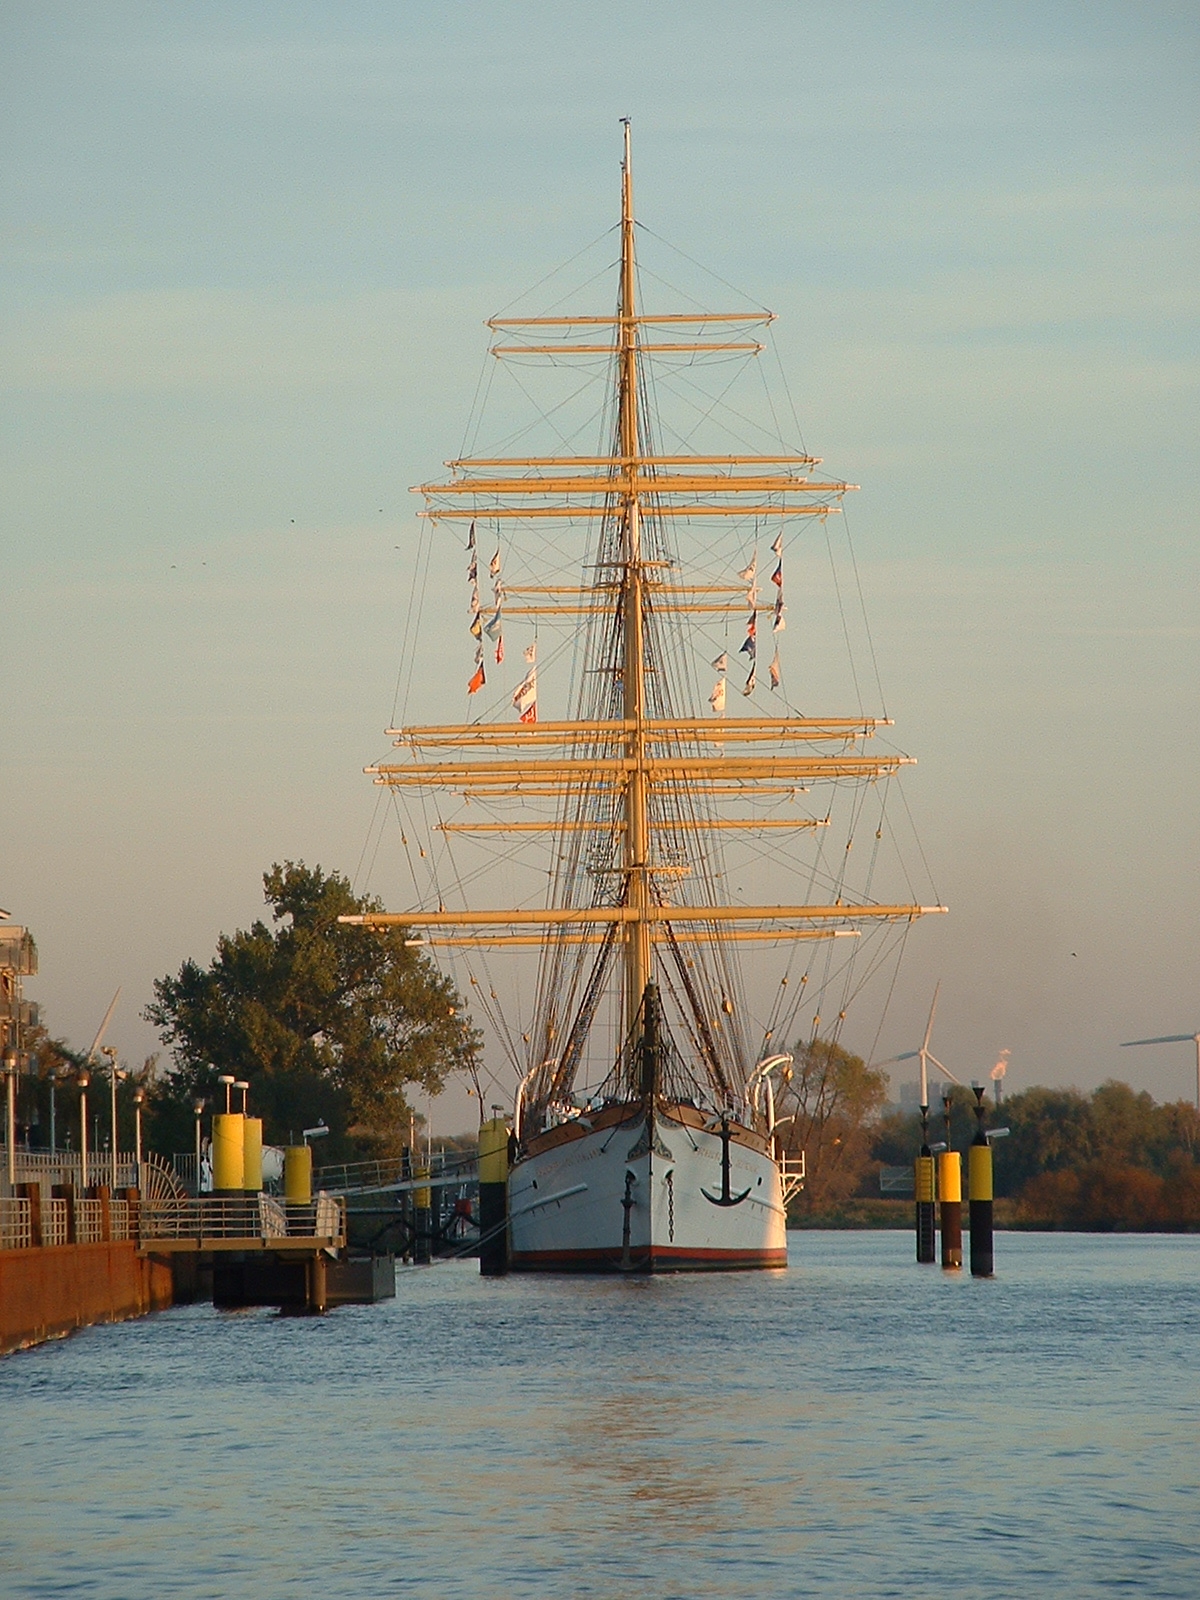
(644, 1123)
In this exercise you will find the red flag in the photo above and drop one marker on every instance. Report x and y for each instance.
(478, 681)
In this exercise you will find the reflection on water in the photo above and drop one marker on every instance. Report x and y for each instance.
(856, 1426)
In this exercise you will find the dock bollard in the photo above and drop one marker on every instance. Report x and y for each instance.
(493, 1198)
(252, 1178)
(297, 1175)
(228, 1153)
(979, 1196)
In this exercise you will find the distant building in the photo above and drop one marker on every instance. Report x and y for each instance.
(18, 959)
(910, 1096)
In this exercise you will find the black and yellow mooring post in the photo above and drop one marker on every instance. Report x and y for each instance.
(422, 1214)
(406, 1205)
(924, 1189)
(493, 1197)
(297, 1174)
(950, 1198)
(979, 1195)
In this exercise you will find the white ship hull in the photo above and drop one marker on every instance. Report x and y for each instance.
(600, 1195)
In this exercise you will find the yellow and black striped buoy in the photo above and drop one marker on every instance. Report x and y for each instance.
(979, 1196)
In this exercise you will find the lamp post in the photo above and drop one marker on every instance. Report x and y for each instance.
(85, 1078)
(139, 1099)
(53, 1076)
(10, 1115)
(198, 1112)
(114, 1077)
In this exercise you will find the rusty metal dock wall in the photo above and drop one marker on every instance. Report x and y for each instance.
(48, 1291)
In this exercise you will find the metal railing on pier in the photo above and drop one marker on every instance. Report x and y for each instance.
(249, 1222)
(241, 1222)
(96, 1221)
(54, 1222)
(14, 1223)
(64, 1169)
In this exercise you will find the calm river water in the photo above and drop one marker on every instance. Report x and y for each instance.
(856, 1426)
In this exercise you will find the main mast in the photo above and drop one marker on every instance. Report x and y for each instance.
(637, 832)
(628, 760)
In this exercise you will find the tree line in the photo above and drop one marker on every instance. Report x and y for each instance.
(333, 1023)
(1113, 1158)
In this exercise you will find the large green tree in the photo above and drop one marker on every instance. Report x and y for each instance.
(324, 1020)
(833, 1099)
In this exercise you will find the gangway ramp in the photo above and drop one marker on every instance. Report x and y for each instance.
(395, 1175)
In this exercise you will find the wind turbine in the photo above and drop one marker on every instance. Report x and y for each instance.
(103, 1028)
(925, 1055)
(1174, 1038)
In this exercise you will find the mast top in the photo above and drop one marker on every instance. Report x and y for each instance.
(627, 307)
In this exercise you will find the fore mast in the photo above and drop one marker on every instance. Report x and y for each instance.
(633, 598)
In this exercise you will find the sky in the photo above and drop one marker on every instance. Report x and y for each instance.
(247, 252)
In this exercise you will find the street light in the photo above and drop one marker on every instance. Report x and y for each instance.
(53, 1077)
(245, 1088)
(139, 1099)
(227, 1079)
(198, 1111)
(85, 1078)
(10, 1115)
(114, 1077)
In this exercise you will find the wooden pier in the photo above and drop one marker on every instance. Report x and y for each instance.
(70, 1257)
